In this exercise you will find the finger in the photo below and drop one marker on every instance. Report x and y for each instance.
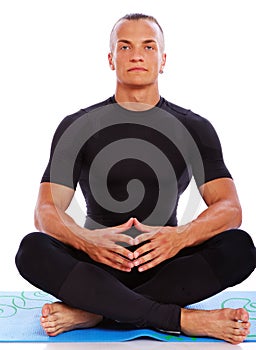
(126, 224)
(118, 266)
(121, 260)
(150, 264)
(143, 237)
(112, 246)
(145, 228)
(120, 237)
(141, 227)
(123, 252)
(145, 258)
(119, 229)
(143, 249)
(117, 262)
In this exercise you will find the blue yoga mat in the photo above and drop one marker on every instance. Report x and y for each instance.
(20, 313)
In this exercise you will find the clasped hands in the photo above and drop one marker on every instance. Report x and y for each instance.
(155, 244)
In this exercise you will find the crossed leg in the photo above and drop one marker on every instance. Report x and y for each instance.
(231, 325)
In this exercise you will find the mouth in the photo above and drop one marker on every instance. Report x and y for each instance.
(137, 69)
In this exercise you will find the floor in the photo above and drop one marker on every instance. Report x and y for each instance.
(131, 345)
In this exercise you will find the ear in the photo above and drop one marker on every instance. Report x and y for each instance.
(110, 61)
(162, 63)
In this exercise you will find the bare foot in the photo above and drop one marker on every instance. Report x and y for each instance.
(231, 325)
(58, 318)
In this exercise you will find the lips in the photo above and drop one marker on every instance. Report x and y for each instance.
(138, 69)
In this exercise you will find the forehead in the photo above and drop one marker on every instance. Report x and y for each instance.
(136, 30)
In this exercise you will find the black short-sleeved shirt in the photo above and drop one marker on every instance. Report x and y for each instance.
(134, 164)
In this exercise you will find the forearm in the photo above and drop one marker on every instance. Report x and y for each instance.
(60, 225)
(215, 219)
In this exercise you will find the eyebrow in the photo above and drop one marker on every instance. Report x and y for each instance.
(148, 41)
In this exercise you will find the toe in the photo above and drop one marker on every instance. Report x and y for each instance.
(51, 331)
(237, 339)
(240, 332)
(241, 315)
(46, 310)
(242, 327)
(50, 328)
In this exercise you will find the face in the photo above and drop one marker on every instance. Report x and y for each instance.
(137, 52)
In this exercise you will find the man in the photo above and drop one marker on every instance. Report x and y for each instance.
(149, 277)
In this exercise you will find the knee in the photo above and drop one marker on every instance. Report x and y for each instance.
(241, 253)
(27, 251)
(232, 256)
(243, 247)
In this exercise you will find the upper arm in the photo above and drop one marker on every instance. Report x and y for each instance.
(66, 155)
(51, 194)
(220, 190)
(209, 164)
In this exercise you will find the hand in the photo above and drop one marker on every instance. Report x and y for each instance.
(164, 243)
(100, 245)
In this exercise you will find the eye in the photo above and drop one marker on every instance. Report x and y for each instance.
(125, 47)
(149, 47)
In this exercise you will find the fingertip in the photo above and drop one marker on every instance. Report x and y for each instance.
(130, 256)
(136, 255)
(137, 224)
(132, 241)
(129, 222)
(136, 241)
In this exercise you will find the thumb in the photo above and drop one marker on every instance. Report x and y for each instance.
(141, 227)
(127, 224)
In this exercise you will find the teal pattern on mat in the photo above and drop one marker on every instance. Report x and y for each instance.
(11, 303)
(20, 320)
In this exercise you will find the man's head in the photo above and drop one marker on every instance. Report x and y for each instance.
(137, 49)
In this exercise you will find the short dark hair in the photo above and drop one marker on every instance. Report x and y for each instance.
(136, 17)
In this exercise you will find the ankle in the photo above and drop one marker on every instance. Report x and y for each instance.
(193, 320)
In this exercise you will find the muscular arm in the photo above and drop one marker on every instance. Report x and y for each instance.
(223, 212)
(50, 217)
(100, 245)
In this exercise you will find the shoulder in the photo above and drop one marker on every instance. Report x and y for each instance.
(187, 116)
(71, 118)
(174, 109)
(82, 112)
(197, 125)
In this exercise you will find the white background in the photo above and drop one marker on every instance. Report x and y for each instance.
(54, 62)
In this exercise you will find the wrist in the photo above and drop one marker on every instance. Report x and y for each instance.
(190, 234)
(184, 235)
(80, 242)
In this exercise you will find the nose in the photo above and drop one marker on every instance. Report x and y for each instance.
(136, 55)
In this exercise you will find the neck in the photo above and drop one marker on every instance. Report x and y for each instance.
(137, 99)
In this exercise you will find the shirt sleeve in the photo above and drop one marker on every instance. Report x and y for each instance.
(210, 150)
(64, 165)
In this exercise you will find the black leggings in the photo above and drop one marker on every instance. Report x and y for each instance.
(144, 299)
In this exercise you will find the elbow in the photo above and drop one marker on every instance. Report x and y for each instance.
(44, 216)
(40, 214)
(37, 220)
(237, 216)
